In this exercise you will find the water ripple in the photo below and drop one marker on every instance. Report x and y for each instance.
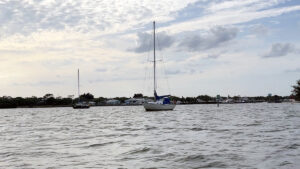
(192, 136)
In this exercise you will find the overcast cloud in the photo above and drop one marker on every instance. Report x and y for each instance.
(145, 42)
(280, 49)
(216, 37)
(204, 43)
(259, 30)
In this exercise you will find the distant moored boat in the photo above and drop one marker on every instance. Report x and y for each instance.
(79, 104)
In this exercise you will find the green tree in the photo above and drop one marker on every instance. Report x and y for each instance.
(175, 98)
(121, 99)
(296, 91)
(20, 101)
(31, 101)
(48, 99)
(138, 95)
(191, 100)
(87, 97)
(205, 98)
(100, 100)
(7, 102)
(48, 95)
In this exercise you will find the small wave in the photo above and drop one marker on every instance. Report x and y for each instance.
(108, 135)
(133, 135)
(197, 129)
(164, 156)
(64, 128)
(220, 130)
(101, 144)
(7, 154)
(215, 164)
(128, 124)
(50, 168)
(127, 129)
(238, 132)
(184, 142)
(126, 159)
(169, 128)
(292, 146)
(285, 163)
(150, 127)
(193, 158)
(252, 124)
(224, 150)
(291, 116)
(275, 130)
(139, 150)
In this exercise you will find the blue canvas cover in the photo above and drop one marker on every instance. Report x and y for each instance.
(166, 99)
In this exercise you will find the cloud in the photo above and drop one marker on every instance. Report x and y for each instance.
(259, 29)
(109, 16)
(297, 70)
(245, 4)
(145, 42)
(212, 56)
(56, 62)
(173, 72)
(39, 83)
(217, 36)
(275, 22)
(229, 14)
(279, 50)
(115, 79)
(187, 70)
(101, 70)
(106, 16)
(46, 38)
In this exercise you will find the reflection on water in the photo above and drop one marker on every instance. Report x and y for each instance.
(192, 136)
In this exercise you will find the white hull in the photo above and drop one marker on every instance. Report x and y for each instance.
(158, 107)
(81, 106)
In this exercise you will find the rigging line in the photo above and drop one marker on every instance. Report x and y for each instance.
(159, 52)
(145, 71)
(166, 77)
(164, 68)
(146, 68)
(149, 48)
(145, 75)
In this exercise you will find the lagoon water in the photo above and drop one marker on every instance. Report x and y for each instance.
(192, 136)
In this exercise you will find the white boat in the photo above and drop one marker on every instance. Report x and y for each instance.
(161, 102)
(79, 104)
(156, 106)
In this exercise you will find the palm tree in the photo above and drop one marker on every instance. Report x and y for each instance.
(296, 91)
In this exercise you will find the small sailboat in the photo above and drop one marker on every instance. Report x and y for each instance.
(161, 102)
(79, 104)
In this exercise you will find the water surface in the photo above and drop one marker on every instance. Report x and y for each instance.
(192, 136)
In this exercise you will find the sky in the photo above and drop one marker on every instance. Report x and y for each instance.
(226, 47)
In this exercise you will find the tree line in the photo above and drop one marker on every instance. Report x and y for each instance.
(49, 100)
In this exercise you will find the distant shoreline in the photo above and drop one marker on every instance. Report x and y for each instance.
(62, 106)
(49, 101)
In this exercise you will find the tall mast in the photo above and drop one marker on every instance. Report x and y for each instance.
(154, 62)
(78, 85)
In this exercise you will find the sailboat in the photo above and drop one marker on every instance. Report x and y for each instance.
(79, 104)
(161, 102)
